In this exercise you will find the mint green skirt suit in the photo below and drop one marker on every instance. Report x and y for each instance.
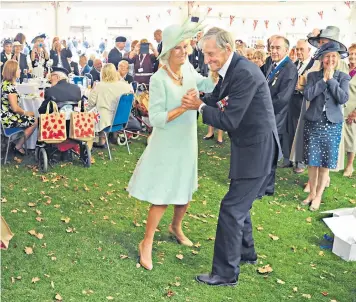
(167, 172)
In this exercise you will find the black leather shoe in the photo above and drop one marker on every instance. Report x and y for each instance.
(249, 259)
(208, 137)
(215, 280)
(269, 193)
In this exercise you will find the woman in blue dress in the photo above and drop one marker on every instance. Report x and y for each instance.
(167, 171)
(327, 91)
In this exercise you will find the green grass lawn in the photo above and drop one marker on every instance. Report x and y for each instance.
(92, 255)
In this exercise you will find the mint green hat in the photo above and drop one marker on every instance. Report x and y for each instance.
(174, 34)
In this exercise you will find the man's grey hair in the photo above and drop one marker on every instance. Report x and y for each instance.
(61, 75)
(221, 36)
(285, 40)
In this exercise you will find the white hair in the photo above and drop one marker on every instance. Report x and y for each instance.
(61, 75)
(221, 36)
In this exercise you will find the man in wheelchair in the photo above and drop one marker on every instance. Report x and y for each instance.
(61, 92)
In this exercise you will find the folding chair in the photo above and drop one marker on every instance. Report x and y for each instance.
(120, 119)
(12, 134)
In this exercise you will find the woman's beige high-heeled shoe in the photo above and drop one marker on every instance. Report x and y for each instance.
(315, 205)
(145, 264)
(183, 241)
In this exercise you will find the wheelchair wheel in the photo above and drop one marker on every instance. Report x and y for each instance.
(135, 135)
(42, 160)
(121, 139)
(85, 155)
(37, 149)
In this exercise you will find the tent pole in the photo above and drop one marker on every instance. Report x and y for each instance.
(56, 17)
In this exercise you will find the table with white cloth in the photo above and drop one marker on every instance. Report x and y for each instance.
(29, 103)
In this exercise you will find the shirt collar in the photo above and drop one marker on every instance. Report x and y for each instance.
(223, 70)
(277, 63)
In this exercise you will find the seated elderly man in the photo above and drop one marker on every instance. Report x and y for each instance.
(95, 71)
(123, 72)
(62, 91)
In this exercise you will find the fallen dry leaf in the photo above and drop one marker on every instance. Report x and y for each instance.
(28, 250)
(138, 265)
(259, 228)
(35, 279)
(110, 298)
(3, 199)
(52, 284)
(273, 237)
(321, 253)
(58, 297)
(39, 219)
(195, 252)
(32, 232)
(325, 294)
(307, 296)
(12, 280)
(106, 217)
(265, 269)
(124, 256)
(39, 236)
(180, 256)
(170, 293)
(70, 230)
(197, 245)
(31, 204)
(279, 281)
(57, 206)
(65, 220)
(295, 289)
(211, 238)
(309, 219)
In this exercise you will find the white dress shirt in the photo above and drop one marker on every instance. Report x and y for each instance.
(302, 68)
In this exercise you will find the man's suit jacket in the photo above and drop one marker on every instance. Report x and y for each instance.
(85, 70)
(128, 79)
(295, 104)
(63, 92)
(74, 65)
(203, 68)
(95, 74)
(331, 94)
(3, 61)
(23, 65)
(282, 86)
(194, 58)
(156, 64)
(114, 57)
(248, 118)
(266, 66)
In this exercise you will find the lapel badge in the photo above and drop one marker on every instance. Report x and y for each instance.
(274, 81)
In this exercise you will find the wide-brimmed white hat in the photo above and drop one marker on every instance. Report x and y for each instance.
(176, 33)
(16, 43)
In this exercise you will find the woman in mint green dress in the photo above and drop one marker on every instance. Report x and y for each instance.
(167, 172)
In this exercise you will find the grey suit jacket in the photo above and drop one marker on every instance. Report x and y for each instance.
(331, 94)
(248, 117)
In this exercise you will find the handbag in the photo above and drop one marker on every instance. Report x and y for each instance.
(52, 127)
(142, 99)
(82, 124)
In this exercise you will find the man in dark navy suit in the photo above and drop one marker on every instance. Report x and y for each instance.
(62, 91)
(118, 52)
(158, 37)
(282, 77)
(241, 105)
(6, 54)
